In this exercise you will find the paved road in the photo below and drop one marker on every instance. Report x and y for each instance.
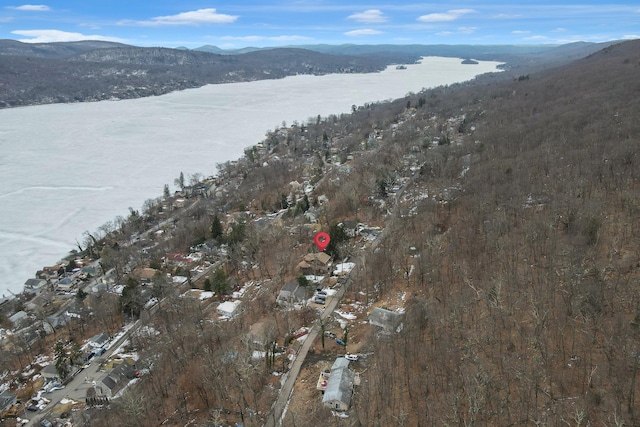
(274, 418)
(275, 415)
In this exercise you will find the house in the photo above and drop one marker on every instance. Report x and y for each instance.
(314, 263)
(34, 286)
(49, 372)
(65, 284)
(350, 228)
(53, 323)
(388, 320)
(146, 273)
(18, 319)
(4, 301)
(339, 389)
(101, 287)
(228, 308)
(115, 380)
(98, 340)
(39, 301)
(7, 400)
(291, 293)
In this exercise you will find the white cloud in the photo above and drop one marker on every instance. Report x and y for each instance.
(450, 15)
(631, 36)
(517, 32)
(196, 17)
(50, 36)
(559, 30)
(507, 16)
(460, 30)
(363, 32)
(371, 16)
(538, 38)
(467, 30)
(32, 8)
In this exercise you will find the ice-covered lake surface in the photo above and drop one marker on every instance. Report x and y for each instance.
(70, 168)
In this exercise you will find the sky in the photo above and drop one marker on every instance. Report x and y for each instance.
(232, 24)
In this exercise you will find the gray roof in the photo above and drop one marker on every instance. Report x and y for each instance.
(292, 292)
(34, 283)
(99, 340)
(17, 317)
(340, 384)
(7, 399)
(389, 320)
(49, 371)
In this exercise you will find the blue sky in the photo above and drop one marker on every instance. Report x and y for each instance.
(240, 23)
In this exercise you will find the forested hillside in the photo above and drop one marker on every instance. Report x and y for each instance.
(499, 217)
(514, 245)
(93, 71)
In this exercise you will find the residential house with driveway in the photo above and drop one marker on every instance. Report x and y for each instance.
(290, 294)
(339, 389)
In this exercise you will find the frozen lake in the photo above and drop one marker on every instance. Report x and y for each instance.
(69, 168)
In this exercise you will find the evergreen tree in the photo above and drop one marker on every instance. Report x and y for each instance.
(62, 367)
(337, 236)
(207, 285)
(219, 282)
(216, 228)
(179, 181)
(76, 354)
(131, 299)
(302, 280)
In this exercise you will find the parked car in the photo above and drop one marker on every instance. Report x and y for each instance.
(352, 357)
(319, 300)
(330, 334)
(321, 293)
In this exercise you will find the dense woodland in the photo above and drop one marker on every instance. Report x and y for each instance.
(521, 265)
(524, 306)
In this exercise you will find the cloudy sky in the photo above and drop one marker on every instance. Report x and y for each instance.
(236, 24)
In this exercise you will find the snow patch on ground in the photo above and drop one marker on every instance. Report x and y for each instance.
(348, 316)
(343, 268)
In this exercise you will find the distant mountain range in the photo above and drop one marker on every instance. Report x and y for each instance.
(43, 73)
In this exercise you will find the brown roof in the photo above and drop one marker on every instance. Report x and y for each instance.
(321, 257)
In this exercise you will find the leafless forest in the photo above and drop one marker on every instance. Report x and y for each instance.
(515, 240)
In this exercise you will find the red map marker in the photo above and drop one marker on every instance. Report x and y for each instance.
(322, 240)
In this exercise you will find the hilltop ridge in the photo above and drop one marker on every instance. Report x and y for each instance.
(87, 71)
(497, 217)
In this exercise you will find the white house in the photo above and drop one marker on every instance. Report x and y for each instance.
(340, 386)
(34, 286)
(228, 308)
